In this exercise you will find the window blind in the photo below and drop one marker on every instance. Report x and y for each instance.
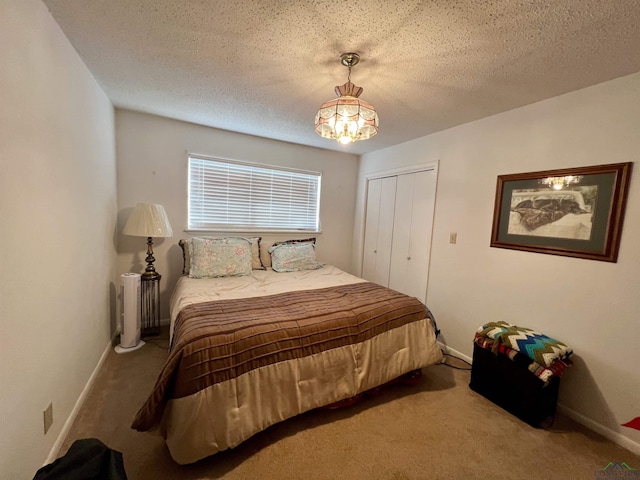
(226, 195)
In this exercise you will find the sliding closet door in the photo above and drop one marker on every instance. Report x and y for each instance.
(378, 237)
(412, 228)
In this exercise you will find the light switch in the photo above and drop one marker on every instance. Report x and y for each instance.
(453, 236)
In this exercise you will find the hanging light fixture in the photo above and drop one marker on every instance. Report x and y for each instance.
(347, 118)
(558, 183)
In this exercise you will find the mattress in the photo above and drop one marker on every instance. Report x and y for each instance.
(248, 352)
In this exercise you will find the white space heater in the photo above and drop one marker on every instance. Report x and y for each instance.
(130, 313)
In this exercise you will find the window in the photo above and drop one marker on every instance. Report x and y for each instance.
(226, 195)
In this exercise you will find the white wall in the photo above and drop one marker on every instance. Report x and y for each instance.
(152, 168)
(57, 248)
(591, 305)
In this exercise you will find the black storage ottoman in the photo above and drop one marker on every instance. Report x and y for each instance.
(513, 387)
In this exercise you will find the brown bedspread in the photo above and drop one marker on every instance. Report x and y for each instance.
(217, 341)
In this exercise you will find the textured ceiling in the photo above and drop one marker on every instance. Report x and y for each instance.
(265, 67)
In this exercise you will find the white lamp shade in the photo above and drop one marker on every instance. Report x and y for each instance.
(148, 220)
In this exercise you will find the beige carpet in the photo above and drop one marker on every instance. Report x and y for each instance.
(439, 429)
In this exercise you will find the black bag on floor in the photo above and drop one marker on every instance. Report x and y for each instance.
(87, 459)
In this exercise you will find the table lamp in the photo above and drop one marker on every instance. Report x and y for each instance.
(149, 220)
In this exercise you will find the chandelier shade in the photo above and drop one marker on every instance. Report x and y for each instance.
(347, 119)
(558, 183)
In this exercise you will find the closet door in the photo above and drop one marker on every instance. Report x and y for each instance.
(412, 228)
(378, 236)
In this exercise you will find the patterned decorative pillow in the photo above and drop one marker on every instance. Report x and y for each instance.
(220, 257)
(296, 240)
(293, 257)
(185, 245)
(256, 261)
(266, 260)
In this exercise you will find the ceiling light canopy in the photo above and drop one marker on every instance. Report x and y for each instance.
(347, 119)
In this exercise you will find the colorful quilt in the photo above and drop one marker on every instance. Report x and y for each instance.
(541, 355)
(543, 373)
(538, 347)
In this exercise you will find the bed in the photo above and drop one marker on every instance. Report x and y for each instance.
(248, 351)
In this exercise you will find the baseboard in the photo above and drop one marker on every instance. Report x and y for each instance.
(448, 350)
(606, 432)
(55, 450)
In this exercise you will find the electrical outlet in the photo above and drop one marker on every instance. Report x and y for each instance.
(47, 415)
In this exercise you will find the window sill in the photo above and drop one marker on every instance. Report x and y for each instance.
(251, 232)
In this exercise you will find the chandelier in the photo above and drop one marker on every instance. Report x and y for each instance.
(347, 119)
(558, 183)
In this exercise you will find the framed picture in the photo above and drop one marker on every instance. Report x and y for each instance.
(576, 212)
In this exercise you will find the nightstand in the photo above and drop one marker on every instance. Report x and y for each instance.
(150, 298)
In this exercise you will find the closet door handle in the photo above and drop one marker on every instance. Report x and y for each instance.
(408, 258)
(375, 251)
